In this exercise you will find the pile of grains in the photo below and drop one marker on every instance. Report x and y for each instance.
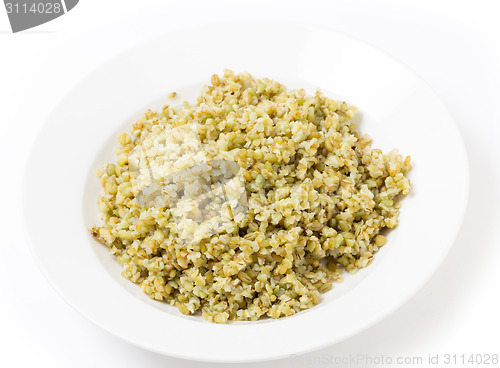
(315, 199)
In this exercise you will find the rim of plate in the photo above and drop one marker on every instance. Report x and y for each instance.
(373, 299)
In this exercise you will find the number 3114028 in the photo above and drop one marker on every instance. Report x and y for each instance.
(47, 8)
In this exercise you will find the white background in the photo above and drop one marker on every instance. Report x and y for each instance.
(453, 45)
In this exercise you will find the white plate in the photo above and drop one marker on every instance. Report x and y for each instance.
(397, 110)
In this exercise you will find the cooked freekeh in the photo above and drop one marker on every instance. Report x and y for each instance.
(318, 197)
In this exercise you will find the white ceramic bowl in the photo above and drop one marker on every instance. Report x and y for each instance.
(396, 108)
